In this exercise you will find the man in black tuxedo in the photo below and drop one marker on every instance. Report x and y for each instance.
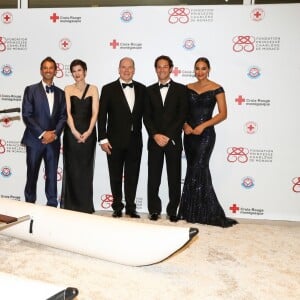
(120, 135)
(44, 115)
(165, 113)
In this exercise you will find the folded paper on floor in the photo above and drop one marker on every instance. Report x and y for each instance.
(115, 240)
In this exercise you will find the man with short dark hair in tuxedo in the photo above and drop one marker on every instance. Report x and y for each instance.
(165, 113)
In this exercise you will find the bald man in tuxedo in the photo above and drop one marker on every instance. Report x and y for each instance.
(120, 135)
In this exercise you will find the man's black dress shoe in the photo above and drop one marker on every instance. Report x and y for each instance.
(173, 219)
(133, 214)
(154, 217)
(117, 214)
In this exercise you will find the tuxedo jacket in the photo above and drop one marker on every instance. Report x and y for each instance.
(36, 113)
(167, 118)
(115, 120)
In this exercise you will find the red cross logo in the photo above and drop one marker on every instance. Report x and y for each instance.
(54, 18)
(240, 100)
(6, 18)
(65, 44)
(114, 44)
(257, 14)
(6, 121)
(251, 127)
(176, 71)
(234, 208)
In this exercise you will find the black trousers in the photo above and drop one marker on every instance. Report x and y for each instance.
(156, 156)
(125, 161)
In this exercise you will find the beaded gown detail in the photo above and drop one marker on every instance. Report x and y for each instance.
(199, 203)
(78, 159)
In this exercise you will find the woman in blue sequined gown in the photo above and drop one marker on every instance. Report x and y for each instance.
(79, 141)
(199, 203)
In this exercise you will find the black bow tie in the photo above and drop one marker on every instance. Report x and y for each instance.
(50, 89)
(164, 85)
(124, 85)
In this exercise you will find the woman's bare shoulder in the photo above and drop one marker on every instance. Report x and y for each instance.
(215, 85)
(94, 87)
(69, 87)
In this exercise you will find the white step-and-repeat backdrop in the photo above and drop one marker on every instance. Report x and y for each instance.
(254, 54)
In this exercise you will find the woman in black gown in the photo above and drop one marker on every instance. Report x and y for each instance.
(199, 203)
(79, 141)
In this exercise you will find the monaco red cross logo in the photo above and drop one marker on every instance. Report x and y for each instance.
(239, 100)
(7, 17)
(54, 18)
(176, 71)
(65, 44)
(257, 14)
(234, 208)
(251, 127)
(114, 44)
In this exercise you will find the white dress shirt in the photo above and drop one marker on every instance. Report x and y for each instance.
(129, 94)
(130, 97)
(50, 97)
(164, 91)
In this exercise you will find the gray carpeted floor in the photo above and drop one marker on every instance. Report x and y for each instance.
(253, 260)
